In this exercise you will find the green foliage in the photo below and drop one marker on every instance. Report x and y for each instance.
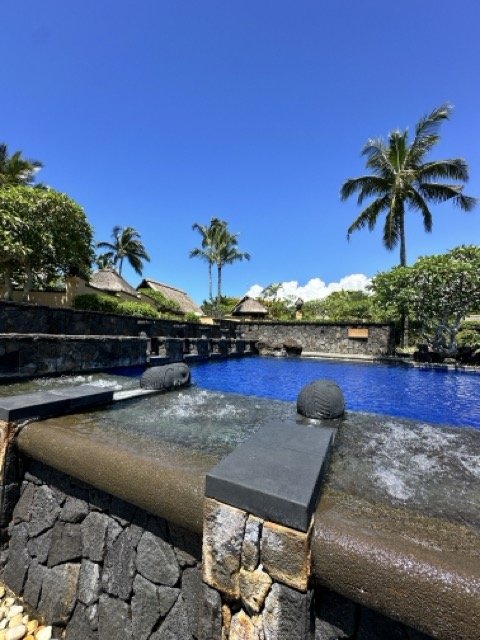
(281, 310)
(42, 232)
(109, 304)
(341, 306)
(222, 307)
(126, 245)
(15, 169)
(438, 291)
(161, 301)
(469, 335)
(192, 317)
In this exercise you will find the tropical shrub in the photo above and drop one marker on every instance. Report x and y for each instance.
(109, 304)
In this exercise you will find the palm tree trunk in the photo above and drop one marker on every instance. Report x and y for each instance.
(120, 267)
(210, 286)
(219, 287)
(403, 263)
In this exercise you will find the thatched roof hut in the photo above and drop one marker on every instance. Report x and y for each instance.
(109, 281)
(249, 307)
(186, 304)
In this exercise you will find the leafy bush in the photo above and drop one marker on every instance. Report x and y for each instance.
(469, 335)
(108, 304)
(161, 301)
(191, 317)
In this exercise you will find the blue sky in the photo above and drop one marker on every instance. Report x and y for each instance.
(158, 114)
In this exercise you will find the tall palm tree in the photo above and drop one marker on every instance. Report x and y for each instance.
(15, 169)
(226, 252)
(402, 180)
(126, 244)
(207, 250)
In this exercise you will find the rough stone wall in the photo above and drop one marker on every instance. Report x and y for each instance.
(29, 355)
(323, 338)
(97, 567)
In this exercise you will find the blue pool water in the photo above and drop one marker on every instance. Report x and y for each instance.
(431, 395)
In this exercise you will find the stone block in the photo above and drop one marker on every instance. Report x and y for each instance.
(39, 547)
(33, 585)
(223, 529)
(145, 608)
(285, 555)
(210, 614)
(156, 560)
(254, 586)
(9, 495)
(251, 543)
(44, 511)
(243, 627)
(74, 510)
(18, 559)
(94, 536)
(288, 614)
(119, 567)
(89, 584)
(66, 543)
(23, 508)
(114, 619)
(59, 592)
(80, 625)
(192, 594)
(176, 624)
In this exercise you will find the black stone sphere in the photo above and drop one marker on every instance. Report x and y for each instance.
(321, 399)
(168, 376)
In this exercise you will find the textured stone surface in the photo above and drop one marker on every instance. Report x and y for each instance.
(287, 614)
(119, 567)
(80, 626)
(192, 593)
(39, 547)
(210, 614)
(285, 554)
(74, 510)
(156, 560)
(338, 612)
(94, 536)
(224, 527)
(374, 626)
(44, 511)
(251, 543)
(66, 543)
(175, 625)
(114, 619)
(59, 592)
(18, 559)
(33, 585)
(23, 508)
(243, 627)
(145, 608)
(89, 584)
(254, 586)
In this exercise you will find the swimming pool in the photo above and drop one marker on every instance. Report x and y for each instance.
(431, 395)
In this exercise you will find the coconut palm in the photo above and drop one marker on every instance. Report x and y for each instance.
(226, 252)
(401, 179)
(16, 169)
(126, 244)
(207, 250)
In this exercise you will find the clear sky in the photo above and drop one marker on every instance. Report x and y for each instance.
(158, 114)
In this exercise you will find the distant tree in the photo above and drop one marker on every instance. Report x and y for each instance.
(439, 291)
(207, 249)
(104, 260)
(15, 169)
(341, 306)
(402, 179)
(43, 233)
(126, 245)
(226, 252)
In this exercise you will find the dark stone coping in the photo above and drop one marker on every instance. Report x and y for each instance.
(54, 402)
(276, 474)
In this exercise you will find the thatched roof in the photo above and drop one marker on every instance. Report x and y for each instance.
(249, 307)
(186, 304)
(109, 280)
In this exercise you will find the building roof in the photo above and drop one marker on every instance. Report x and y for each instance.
(249, 307)
(109, 280)
(186, 304)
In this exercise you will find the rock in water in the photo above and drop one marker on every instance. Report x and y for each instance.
(321, 399)
(166, 377)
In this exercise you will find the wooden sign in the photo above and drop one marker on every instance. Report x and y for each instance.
(358, 334)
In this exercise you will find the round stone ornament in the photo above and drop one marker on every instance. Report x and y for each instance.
(165, 377)
(321, 399)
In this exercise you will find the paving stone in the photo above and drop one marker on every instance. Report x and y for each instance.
(119, 567)
(33, 585)
(114, 619)
(74, 510)
(66, 543)
(44, 511)
(79, 627)
(89, 583)
(145, 608)
(176, 624)
(223, 530)
(156, 560)
(18, 559)
(59, 591)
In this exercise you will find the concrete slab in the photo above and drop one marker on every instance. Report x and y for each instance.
(276, 474)
(53, 402)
